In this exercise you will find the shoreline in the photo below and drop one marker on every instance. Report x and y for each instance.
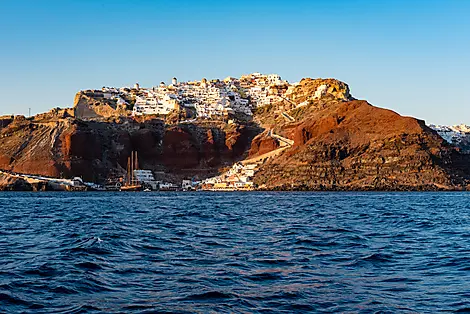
(250, 191)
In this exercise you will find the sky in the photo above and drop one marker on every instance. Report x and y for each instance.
(409, 56)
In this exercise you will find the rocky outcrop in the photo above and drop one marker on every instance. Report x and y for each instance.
(55, 114)
(205, 147)
(93, 107)
(309, 89)
(18, 182)
(5, 121)
(338, 144)
(356, 146)
(10, 183)
(98, 151)
(263, 144)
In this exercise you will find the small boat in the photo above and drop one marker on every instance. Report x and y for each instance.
(147, 190)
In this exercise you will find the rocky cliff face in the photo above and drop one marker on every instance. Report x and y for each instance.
(97, 150)
(339, 144)
(310, 89)
(352, 145)
(26, 146)
(262, 144)
(87, 107)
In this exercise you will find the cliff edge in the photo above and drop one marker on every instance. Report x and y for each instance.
(323, 137)
(344, 144)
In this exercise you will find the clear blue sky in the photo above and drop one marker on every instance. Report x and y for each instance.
(409, 56)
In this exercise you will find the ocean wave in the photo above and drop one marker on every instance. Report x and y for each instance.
(235, 252)
(210, 295)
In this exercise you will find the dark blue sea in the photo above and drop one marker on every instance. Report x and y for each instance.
(234, 252)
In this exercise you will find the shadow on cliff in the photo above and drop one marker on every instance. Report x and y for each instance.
(98, 151)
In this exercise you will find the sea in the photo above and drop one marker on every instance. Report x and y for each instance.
(234, 252)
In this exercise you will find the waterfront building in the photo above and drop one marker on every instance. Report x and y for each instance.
(187, 185)
(145, 177)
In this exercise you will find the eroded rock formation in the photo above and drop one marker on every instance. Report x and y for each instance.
(338, 144)
(98, 150)
(92, 107)
(352, 145)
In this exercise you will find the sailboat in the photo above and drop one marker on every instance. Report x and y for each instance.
(131, 183)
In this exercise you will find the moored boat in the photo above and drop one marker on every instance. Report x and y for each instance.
(131, 184)
(131, 188)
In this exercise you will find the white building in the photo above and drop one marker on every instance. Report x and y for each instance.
(208, 98)
(154, 106)
(146, 177)
(274, 79)
(187, 185)
(145, 105)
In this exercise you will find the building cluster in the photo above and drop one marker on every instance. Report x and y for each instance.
(147, 180)
(452, 134)
(239, 177)
(208, 98)
(109, 93)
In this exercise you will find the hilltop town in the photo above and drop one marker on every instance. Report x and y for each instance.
(200, 99)
(204, 99)
(231, 100)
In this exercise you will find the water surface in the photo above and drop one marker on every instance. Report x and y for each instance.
(234, 252)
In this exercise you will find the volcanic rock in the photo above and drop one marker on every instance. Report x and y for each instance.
(339, 143)
(98, 150)
(356, 146)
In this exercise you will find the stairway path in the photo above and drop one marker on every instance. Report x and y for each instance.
(285, 143)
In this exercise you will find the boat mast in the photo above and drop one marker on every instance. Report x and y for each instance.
(128, 181)
(132, 167)
(136, 162)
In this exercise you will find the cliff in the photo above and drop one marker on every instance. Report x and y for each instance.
(90, 106)
(309, 89)
(339, 143)
(98, 151)
(343, 144)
